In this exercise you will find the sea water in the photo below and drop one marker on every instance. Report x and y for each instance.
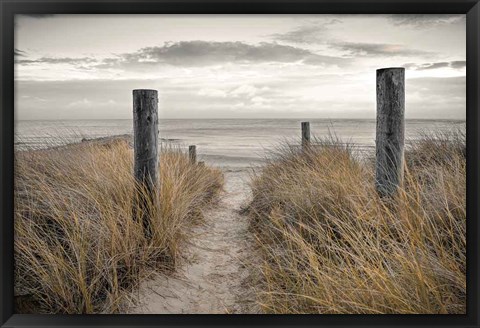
(232, 143)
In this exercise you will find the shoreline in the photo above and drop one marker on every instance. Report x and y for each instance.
(224, 162)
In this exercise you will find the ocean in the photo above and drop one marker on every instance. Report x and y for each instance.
(231, 143)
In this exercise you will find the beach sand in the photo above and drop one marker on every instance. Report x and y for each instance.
(214, 276)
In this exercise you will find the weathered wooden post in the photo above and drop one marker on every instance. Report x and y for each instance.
(192, 154)
(145, 131)
(390, 133)
(305, 134)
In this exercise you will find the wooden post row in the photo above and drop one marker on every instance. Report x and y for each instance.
(390, 130)
(145, 130)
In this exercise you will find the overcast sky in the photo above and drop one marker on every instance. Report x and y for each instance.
(236, 66)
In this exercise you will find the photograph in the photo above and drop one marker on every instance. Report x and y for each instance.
(240, 164)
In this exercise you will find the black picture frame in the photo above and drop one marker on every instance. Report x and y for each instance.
(8, 8)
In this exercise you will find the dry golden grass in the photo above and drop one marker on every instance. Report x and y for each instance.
(77, 248)
(330, 245)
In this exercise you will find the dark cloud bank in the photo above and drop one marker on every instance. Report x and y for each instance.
(425, 20)
(204, 53)
(201, 53)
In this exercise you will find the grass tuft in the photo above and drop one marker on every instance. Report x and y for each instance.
(330, 245)
(77, 247)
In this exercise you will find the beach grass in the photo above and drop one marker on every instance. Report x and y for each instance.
(330, 245)
(77, 247)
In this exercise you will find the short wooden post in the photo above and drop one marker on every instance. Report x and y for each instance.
(192, 153)
(145, 132)
(390, 132)
(305, 134)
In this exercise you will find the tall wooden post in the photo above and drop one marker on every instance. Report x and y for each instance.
(192, 154)
(390, 133)
(145, 131)
(305, 134)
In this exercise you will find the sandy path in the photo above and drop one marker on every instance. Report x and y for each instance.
(212, 277)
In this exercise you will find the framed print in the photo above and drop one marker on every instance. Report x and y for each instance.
(230, 163)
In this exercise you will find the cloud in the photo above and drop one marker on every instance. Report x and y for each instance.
(196, 54)
(304, 96)
(204, 53)
(305, 34)
(260, 100)
(442, 85)
(33, 98)
(80, 103)
(458, 64)
(377, 49)
(433, 66)
(245, 90)
(57, 60)
(425, 20)
(213, 93)
(19, 53)
(241, 91)
(87, 103)
(433, 97)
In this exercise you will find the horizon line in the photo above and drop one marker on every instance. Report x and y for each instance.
(238, 118)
